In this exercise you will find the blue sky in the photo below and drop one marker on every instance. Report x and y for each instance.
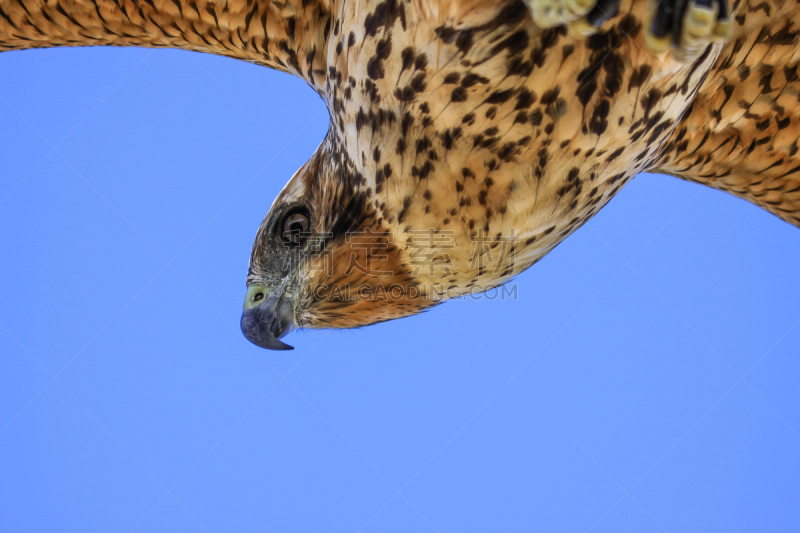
(645, 379)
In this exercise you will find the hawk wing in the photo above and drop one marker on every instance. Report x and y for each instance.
(281, 35)
(741, 133)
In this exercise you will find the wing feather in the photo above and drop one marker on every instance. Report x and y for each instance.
(742, 133)
(288, 36)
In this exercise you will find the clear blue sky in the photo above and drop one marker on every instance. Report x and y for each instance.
(646, 379)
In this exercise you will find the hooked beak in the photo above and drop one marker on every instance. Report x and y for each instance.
(266, 319)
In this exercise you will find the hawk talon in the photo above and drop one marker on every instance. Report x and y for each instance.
(603, 11)
(684, 26)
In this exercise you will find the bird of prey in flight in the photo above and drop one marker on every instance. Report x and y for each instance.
(469, 137)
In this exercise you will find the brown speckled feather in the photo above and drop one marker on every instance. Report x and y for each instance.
(742, 133)
(287, 36)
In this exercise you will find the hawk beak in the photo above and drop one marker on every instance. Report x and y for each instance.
(266, 319)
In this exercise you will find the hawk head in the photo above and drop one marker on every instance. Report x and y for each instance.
(324, 257)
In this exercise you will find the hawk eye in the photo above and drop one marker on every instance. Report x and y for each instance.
(295, 227)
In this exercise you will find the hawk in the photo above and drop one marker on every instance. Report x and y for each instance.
(469, 137)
